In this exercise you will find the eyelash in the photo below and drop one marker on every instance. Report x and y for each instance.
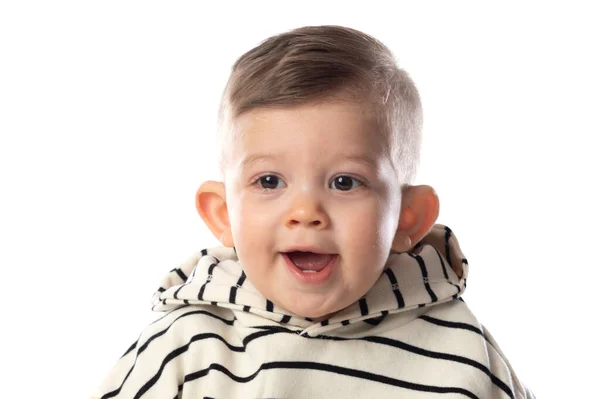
(267, 190)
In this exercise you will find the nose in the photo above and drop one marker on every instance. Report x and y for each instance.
(306, 211)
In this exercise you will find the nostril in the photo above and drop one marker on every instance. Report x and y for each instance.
(310, 222)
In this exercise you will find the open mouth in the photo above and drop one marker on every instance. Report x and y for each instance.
(309, 262)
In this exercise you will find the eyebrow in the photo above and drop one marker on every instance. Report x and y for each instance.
(361, 159)
(252, 159)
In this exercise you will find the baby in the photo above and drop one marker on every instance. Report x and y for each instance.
(333, 279)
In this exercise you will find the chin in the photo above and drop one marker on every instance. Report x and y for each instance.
(324, 317)
(319, 315)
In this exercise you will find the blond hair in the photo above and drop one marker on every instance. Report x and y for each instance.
(316, 64)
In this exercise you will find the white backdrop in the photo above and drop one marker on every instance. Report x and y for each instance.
(107, 122)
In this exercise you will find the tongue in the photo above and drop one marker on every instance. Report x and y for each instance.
(309, 260)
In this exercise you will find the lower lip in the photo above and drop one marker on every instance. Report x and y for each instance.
(311, 278)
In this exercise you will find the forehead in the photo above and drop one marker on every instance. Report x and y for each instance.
(318, 129)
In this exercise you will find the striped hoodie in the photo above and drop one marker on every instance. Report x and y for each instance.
(410, 336)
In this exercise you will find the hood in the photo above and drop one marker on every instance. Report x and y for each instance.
(433, 271)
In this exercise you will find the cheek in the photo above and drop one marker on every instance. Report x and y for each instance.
(359, 226)
(371, 228)
(254, 214)
(249, 222)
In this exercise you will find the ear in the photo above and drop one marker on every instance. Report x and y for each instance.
(420, 210)
(212, 208)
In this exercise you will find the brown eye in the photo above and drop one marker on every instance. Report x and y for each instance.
(268, 182)
(345, 183)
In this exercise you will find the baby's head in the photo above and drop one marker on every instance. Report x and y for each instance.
(319, 137)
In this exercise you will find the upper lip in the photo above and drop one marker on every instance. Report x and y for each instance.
(307, 248)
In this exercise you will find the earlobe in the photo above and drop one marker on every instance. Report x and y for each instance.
(211, 205)
(420, 210)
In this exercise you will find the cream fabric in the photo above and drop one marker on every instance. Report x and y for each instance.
(411, 336)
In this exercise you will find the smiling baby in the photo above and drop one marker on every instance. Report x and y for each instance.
(333, 278)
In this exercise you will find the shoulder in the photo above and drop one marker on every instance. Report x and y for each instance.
(183, 320)
(462, 328)
(172, 336)
(154, 363)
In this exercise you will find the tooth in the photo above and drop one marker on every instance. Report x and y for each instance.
(309, 271)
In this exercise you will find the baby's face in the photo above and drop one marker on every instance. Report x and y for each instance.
(313, 178)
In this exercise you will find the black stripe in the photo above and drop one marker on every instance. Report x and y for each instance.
(364, 309)
(440, 355)
(378, 340)
(464, 261)
(269, 306)
(180, 273)
(286, 318)
(193, 312)
(443, 264)
(204, 252)
(241, 280)
(233, 291)
(331, 369)
(425, 276)
(395, 289)
(232, 294)
(158, 334)
(278, 329)
(161, 289)
(130, 349)
(345, 322)
(457, 325)
(447, 245)
(375, 320)
(176, 293)
(208, 279)
(246, 308)
(451, 324)
(198, 337)
(114, 393)
(446, 273)
(324, 323)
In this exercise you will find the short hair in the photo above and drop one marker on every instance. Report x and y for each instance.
(315, 64)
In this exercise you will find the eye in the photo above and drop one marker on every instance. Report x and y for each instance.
(344, 183)
(268, 182)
